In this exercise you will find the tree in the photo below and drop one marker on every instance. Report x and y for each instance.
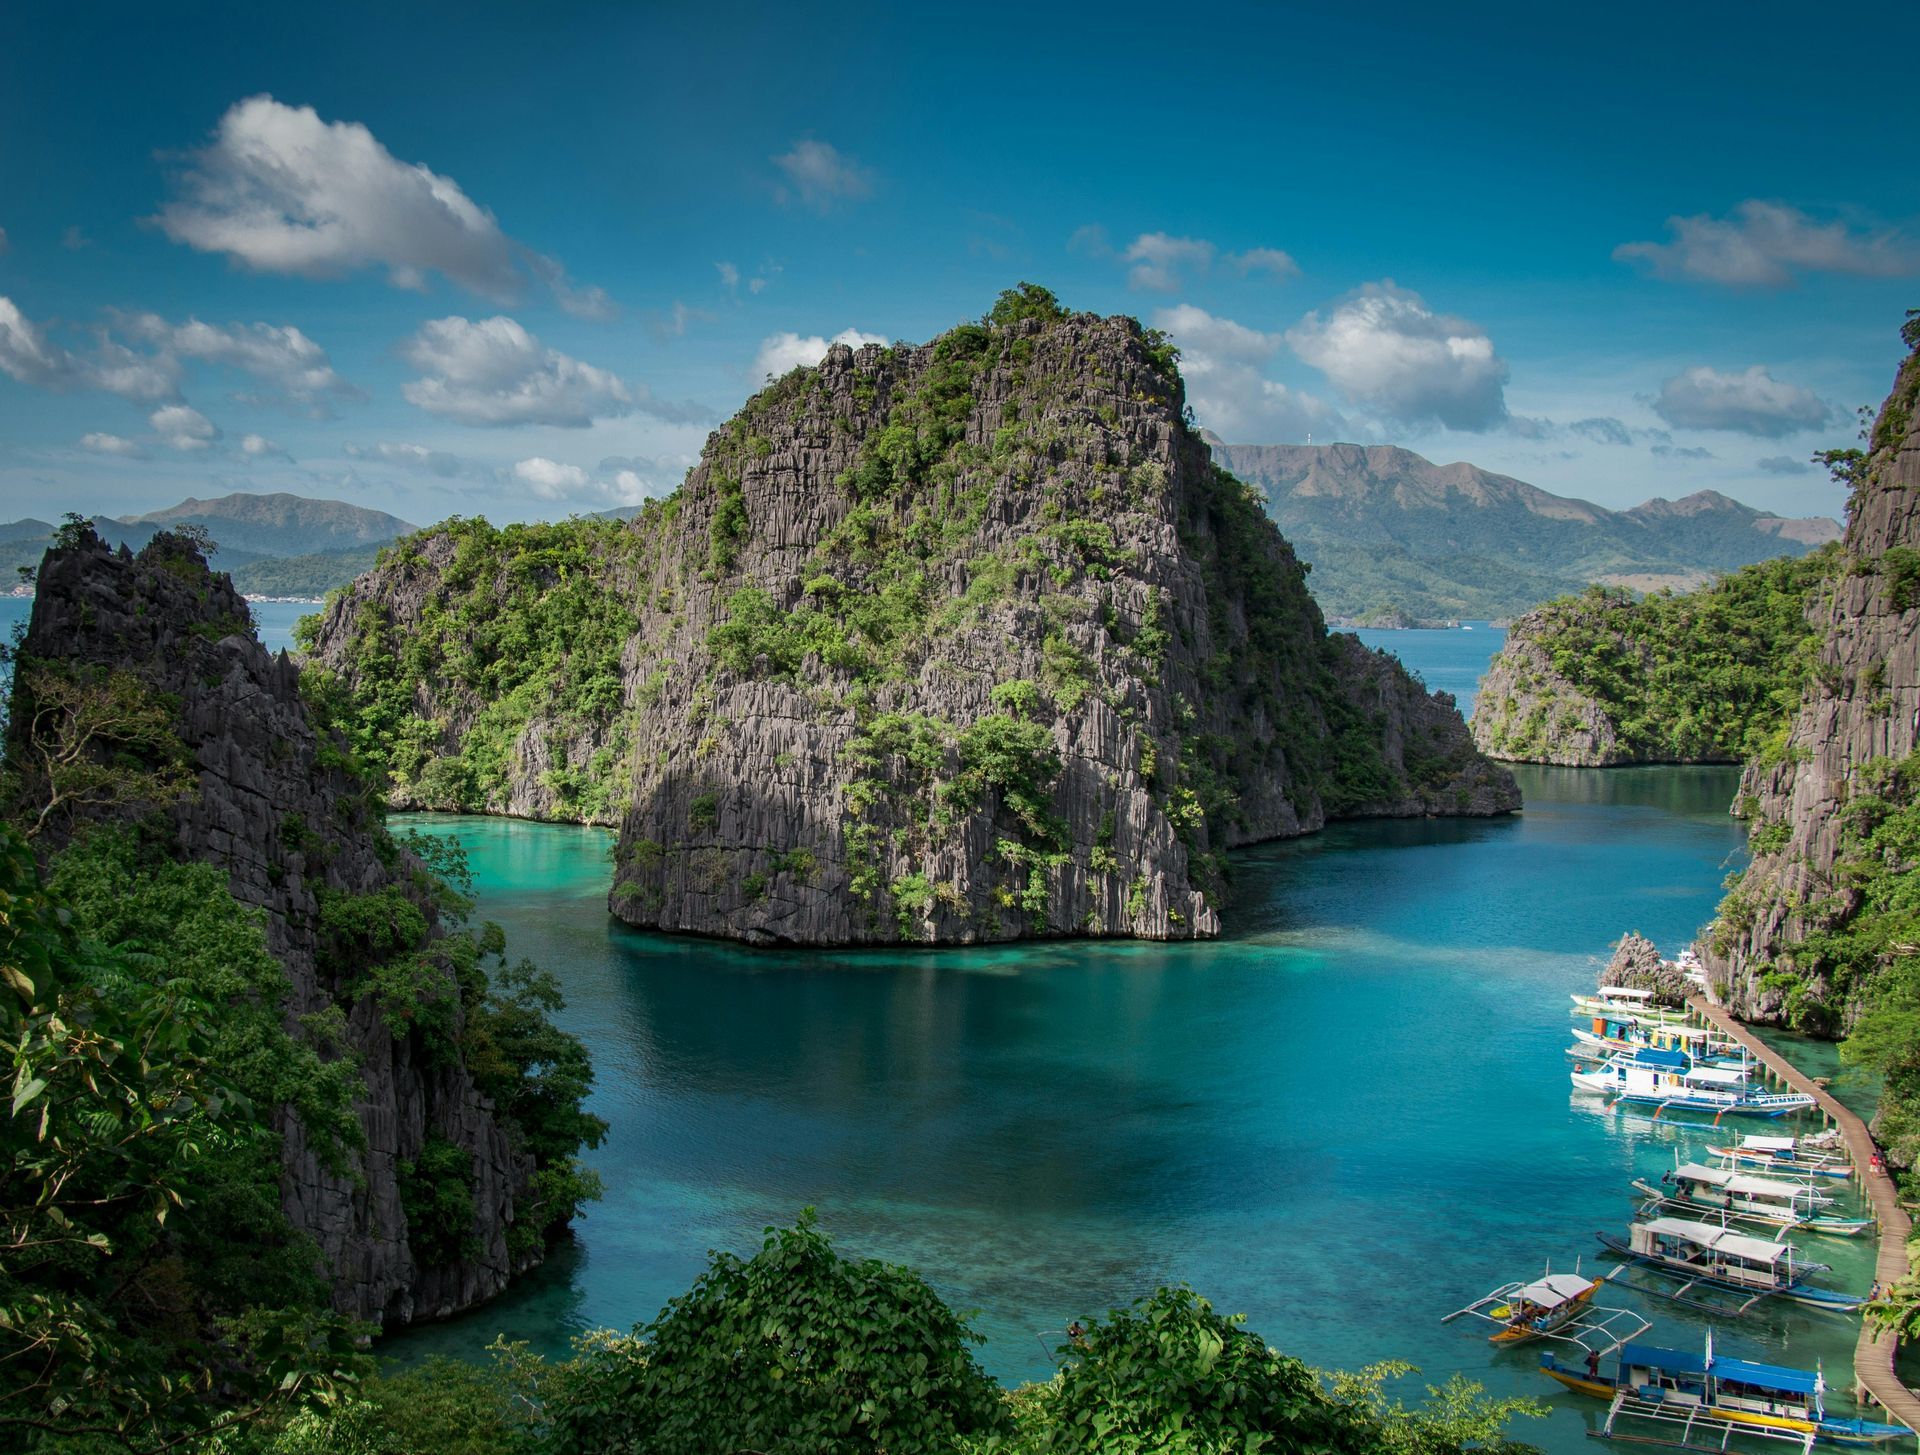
(92, 740)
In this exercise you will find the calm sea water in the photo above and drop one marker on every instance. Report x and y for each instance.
(1345, 1119)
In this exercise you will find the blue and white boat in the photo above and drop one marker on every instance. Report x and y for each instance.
(1715, 1397)
(1674, 1081)
(1717, 1259)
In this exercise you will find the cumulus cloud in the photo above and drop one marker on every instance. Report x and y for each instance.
(1784, 465)
(112, 444)
(782, 352)
(1271, 261)
(1383, 347)
(278, 355)
(413, 457)
(494, 372)
(1224, 366)
(1603, 430)
(1752, 402)
(259, 447)
(183, 428)
(820, 176)
(552, 480)
(1763, 244)
(28, 355)
(1157, 260)
(279, 190)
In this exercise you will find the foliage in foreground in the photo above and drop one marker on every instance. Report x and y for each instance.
(799, 1350)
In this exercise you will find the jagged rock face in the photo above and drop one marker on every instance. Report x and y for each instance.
(965, 642)
(1862, 705)
(272, 808)
(1528, 711)
(1637, 965)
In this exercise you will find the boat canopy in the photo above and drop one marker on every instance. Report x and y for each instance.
(1768, 1376)
(1716, 1076)
(1739, 1245)
(1554, 1290)
(1741, 1182)
(1768, 1144)
(1624, 992)
(1652, 1356)
(1662, 1060)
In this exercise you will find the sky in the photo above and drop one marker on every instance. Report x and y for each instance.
(519, 261)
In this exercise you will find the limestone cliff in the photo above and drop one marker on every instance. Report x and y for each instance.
(958, 642)
(273, 802)
(1528, 711)
(1860, 715)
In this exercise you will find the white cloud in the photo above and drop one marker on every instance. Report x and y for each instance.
(1271, 261)
(1784, 465)
(259, 447)
(183, 428)
(28, 355)
(3, 239)
(1762, 244)
(112, 444)
(1383, 347)
(494, 372)
(551, 480)
(1752, 402)
(280, 355)
(787, 351)
(278, 190)
(674, 323)
(73, 239)
(820, 175)
(413, 457)
(729, 276)
(1158, 260)
(1223, 363)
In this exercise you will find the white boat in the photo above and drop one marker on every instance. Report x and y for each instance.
(1556, 1306)
(1670, 1081)
(1822, 1155)
(1691, 1187)
(1705, 1255)
(1627, 1000)
(1624, 1032)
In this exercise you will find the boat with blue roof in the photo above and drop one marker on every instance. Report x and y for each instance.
(1675, 1081)
(1712, 1396)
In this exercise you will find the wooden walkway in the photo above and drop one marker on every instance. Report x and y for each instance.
(1873, 1356)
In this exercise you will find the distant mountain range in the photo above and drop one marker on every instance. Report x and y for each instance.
(275, 545)
(1396, 539)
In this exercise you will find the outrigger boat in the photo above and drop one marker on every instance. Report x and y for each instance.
(1552, 1306)
(1626, 1000)
(1717, 1398)
(1670, 1081)
(1627, 1033)
(1715, 1258)
(1690, 1187)
(1820, 1155)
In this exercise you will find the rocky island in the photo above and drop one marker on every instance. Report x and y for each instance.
(960, 642)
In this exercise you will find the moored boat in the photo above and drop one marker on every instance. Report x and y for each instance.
(1692, 1188)
(1670, 1080)
(1716, 1395)
(1627, 1000)
(1717, 1258)
(1820, 1155)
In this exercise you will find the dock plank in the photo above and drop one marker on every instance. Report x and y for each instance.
(1873, 1355)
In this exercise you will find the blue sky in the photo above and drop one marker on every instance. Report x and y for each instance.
(517, 262)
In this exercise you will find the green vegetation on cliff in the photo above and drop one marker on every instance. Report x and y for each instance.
(1704, 676)
(525, 621)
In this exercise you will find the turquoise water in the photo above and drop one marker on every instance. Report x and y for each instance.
(1347, 1118)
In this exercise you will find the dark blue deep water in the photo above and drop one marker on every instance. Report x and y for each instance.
(1344, 1119)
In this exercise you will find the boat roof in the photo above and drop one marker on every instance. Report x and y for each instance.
(1768, 1144)
(1691, 1033)
(1737, 1181)
(1719, 1239)
(1554, 1289)
(1647, 1056)
(1624, 992)
(1717, 1075)
(1652, 1356)
(1768, 1376)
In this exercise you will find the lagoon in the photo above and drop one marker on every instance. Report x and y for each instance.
(1345, 1118)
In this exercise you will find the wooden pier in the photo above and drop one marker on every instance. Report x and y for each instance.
(1873, 1355)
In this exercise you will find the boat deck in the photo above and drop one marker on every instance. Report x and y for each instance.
(1873, 1355)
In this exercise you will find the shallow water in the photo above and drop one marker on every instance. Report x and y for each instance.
(1346, 1118)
